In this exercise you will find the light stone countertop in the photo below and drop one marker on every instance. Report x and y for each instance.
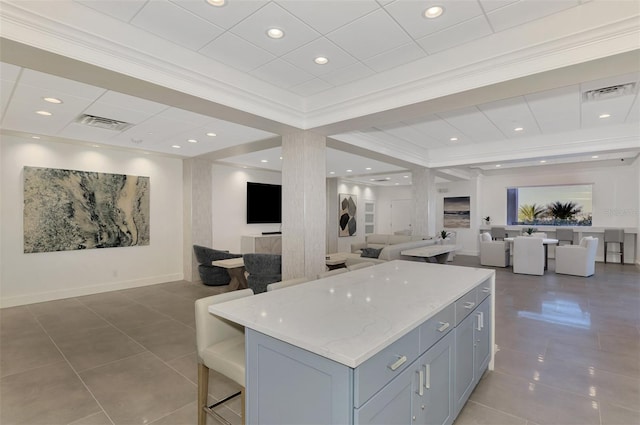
(352, 316)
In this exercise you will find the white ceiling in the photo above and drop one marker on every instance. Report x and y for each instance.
(385, 44)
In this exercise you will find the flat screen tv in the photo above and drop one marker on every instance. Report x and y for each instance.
(264, 203)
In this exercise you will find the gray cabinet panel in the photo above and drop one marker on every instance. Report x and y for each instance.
(293, 386)
(482, 337)
(438, 392)
(464, 373)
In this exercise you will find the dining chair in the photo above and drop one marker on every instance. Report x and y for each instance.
(528, 255)
(493, 253)
(564, 235)
(614, 236)
(498, 233)
(220, 346)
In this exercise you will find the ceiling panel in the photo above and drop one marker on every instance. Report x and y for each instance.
(311, 87)
(617, 109)
(175, 24)
(410, 14)
(634, 112)
(282, 74)
(84, 132)
(522, 11)
(395, 57)
(473, 125)
(71, 106)
(438, 130)
(226, 16)
(346, 75)
(254, 29)
(62, 85)
(509, 114)
(304, 56)
(556, 110)
(408, 133)
(464, 32)
(323, 15)
(237, 52)
(383, 34)
(124, 10)
(489, 5)
(21, 116)
(9, 72)
(6, 89)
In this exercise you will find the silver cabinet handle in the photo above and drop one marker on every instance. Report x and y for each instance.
(421, 383)
(427, 369)
(481, 320)
(486, 289)
(469, 305)
(443, 326)
(478, 325)
(398, 363)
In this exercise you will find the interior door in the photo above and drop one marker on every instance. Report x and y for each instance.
(401, 214)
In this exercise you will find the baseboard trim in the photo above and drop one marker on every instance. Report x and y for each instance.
(86, 290)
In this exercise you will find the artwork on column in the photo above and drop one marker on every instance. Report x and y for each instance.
(457, 212)
(68, 210)
(347, 205)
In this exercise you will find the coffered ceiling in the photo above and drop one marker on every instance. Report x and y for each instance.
(489, 82)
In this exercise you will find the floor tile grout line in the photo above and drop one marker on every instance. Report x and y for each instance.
(76, 373)
(498, 410)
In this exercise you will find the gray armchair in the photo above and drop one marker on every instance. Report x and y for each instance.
(210, 274)
(263, 269)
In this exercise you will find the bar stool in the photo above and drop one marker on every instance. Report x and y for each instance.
(564, 235)
(614, 236)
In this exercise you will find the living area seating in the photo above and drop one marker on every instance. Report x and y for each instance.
(377, 240)
(220, 346)
(528, 255)
(263, 269)
(286, 283)
(498, 233)
(387, 252)
(210, 274)
(577, 260)
(493, 253)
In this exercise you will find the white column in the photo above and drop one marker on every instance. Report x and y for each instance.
(423, 188)
(198, 219)
(303, 204)
(332, 216)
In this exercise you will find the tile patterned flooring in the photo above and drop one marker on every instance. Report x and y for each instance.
(569, 353)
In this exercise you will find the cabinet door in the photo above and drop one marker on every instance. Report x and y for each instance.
(482, 335)
(392, 404)
(464, 361)
(437, 364)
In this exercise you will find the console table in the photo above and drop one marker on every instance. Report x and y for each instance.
(261, 244)
(402, 342)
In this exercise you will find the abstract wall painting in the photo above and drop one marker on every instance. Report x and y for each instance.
(68, 210)
(347, 205)
(457, 212)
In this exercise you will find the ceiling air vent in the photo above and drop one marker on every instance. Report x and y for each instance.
(609, 92)
(101, 122)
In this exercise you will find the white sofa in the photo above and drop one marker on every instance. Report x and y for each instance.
(377, 240)
(577, 260)
(493, 253)
(391, 252)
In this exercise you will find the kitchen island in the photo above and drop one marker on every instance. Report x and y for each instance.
(400, 342)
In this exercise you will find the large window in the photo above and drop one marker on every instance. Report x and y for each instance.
(568, 205)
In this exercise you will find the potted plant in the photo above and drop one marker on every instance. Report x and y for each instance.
(529, 231)
(487, 220)
(443, 235)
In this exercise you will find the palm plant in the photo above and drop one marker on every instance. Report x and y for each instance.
(529, 213)
(564, 210)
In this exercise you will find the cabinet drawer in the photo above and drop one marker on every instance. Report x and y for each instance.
(484, 290)
(435, 328)
(465, 305)
(372, 375)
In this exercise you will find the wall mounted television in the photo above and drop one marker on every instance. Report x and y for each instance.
(264, 203)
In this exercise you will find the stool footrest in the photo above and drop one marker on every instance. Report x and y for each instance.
(209, 409)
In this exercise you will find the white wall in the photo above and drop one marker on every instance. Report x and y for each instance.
(386, 194)
(615, 191)
(28, 278)
(230, 205)
(363, 193)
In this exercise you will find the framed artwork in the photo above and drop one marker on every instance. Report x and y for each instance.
(347, 208)
(67, 210)
(457, 212)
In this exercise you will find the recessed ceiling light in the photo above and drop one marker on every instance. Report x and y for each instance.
(604, 115)
(321, 60)
(264, 160)
(518, 129)
(275, 33)
(349, 171)
(52, 100)
(387, 178)
(368, 168)
(454, 139)
(372, 180)
(332, 172)
(406, 177)
(192, 141)
(280, 157)
(96, 146)
(176, 146)
(498, 165)
(433, 12)
(44, 113)
(397, 184)
(211, 134)
(35, 137)
(542, 161)
(217, 3)
(594, 156)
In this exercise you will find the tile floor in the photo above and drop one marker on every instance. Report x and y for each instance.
(569, 353)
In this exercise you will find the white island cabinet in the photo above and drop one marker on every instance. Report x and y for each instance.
(399, 343)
